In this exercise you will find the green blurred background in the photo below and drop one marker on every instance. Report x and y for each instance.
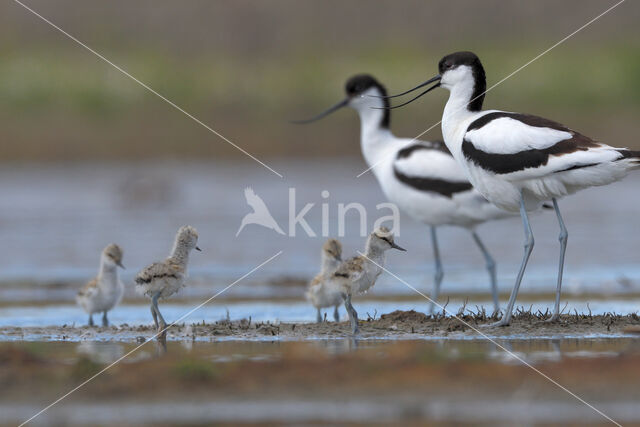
(246, 67)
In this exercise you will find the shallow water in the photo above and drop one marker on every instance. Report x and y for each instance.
(264, 311)
(54, 220)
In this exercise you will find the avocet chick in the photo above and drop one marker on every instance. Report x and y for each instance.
(358, 274)
(105, 291)
(163, 279)
(320, 294)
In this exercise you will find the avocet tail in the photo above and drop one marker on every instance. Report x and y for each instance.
(633, 157)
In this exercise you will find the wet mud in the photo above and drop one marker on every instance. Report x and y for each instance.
(395, 325)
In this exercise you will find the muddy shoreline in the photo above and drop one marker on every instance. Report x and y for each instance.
(396, 325)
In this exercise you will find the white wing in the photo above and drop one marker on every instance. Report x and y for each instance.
(506, 135)
(430, 161)
(520, 146)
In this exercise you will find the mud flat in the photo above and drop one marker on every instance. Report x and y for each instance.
(396, 325)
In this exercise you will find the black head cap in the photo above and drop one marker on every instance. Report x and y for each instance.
(360, 83)
(470, 59)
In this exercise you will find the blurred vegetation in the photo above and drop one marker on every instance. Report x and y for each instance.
(84, 368)
(246, 68)
(195, 370)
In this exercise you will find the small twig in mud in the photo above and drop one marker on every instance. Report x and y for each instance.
(444, 308)
(325, 317)
(371, 318)
(464, 306)
(481, 314)
(589, 308)
(565, 306)
(226, 321)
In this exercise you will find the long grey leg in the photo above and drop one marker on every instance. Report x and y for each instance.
(491, 267)
(439, 274)
(155, 316)
(528, 248)
(353, 315)
(336, 315)
(563, 237)
(105, 321)
(318, 316)
(154, 302)
(91, 319)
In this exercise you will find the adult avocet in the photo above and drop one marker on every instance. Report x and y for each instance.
(518, 160)
(105, 291)
(420, 177)
(163, 279)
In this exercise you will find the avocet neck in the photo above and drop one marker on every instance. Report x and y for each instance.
(329, 263)
(456, 112)
(373, 251)
(108, 270)
(373, 140)
(180, 253)
(374, 135)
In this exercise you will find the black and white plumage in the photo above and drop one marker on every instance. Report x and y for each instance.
(163, 279)
(518, 160)
(421, 177)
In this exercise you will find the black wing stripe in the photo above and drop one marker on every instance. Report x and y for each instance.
(435, 145)
(513, 162)
(439, 186)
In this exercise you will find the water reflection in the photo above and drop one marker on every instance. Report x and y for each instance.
(101, 352)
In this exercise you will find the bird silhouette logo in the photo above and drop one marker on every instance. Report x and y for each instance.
(260, 215)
